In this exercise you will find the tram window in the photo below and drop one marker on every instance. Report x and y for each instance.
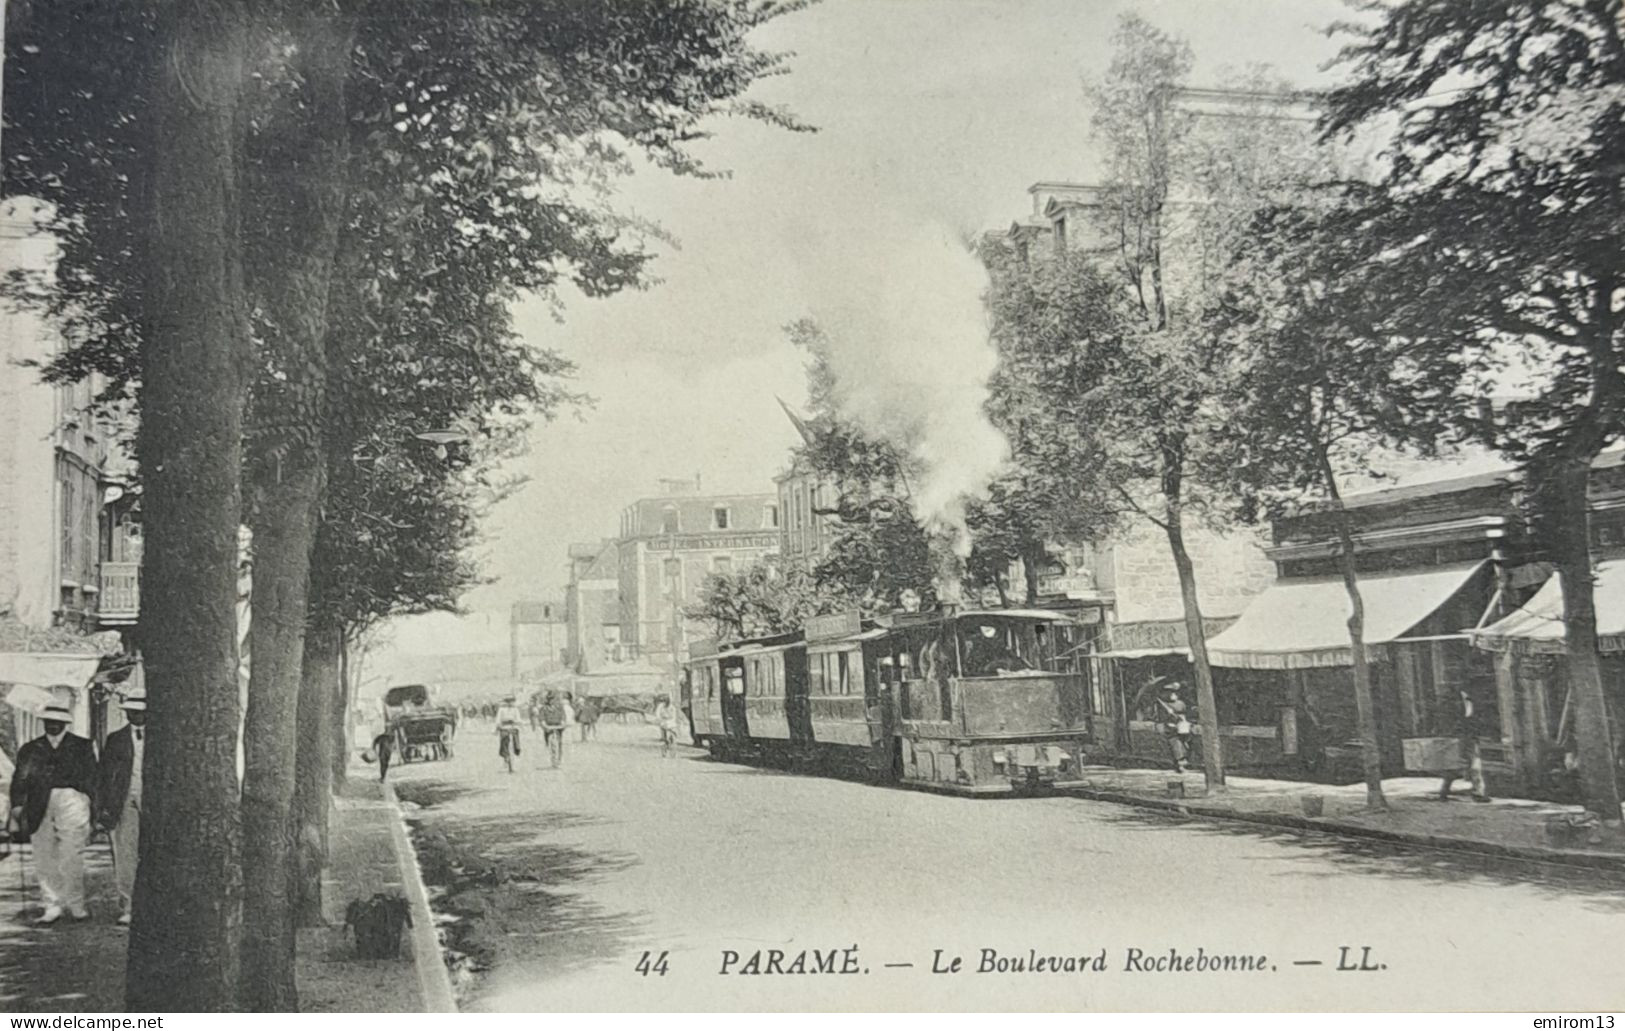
(844, 669)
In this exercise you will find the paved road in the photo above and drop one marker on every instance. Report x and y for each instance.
(568, 876)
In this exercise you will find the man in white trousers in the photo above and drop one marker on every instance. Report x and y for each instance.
(118, 794)
(51, 800)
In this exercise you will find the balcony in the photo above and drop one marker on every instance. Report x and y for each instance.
(120, 601)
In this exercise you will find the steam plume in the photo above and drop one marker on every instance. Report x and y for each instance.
(901, 305)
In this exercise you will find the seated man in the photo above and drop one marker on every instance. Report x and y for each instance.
(988, 654)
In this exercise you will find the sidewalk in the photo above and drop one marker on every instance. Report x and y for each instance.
(1511, 828)
(72, 966)
(363, 862)
(78, 967)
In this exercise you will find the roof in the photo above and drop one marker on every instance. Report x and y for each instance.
(1538, 625)
(1302, 624)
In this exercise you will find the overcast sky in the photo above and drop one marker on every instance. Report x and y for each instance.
(941, 111)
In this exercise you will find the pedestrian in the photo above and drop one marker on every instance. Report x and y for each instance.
(1176, 724)
(554, 720)
(1466, 725)
(569, 708)
(51, 802)
(666, 719)
(587, 716)
(533, 711)
(383, 746)
(118, 794)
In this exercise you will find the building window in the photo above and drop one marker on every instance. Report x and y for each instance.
(80, 534)
(722, 565)
(669, 523)
(770, 516)
(720, 517)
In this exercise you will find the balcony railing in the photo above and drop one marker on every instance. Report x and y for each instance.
(120, 600)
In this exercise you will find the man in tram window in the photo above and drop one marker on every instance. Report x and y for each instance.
(988, 653)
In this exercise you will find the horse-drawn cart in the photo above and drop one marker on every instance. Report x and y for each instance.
(421, 729)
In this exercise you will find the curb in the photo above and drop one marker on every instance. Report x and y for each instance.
(434, 982)
(1524, 853)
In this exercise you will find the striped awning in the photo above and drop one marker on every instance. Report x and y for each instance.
(1303, 624)
(1537, 627)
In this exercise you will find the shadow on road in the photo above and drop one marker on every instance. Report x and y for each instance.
(1596, 889)
(430, 793)
(507, 898)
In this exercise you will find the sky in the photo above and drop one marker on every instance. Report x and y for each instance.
(933, 117)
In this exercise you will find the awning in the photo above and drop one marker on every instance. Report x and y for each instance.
(1303, 624)
(23, 675)
(1537, 627)
(1140, 653)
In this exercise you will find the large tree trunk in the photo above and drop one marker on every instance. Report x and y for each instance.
(1565, 503)
(1364, 699)
(195, 354)
(298, 199)
(284, 530)
(1206, 702)
(319, 684)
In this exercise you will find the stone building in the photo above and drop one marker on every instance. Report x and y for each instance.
(668, 545)
(64, 521)
(806, 529)
(538, 632)
(592, 608)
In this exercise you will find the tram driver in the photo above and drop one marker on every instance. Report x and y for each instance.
(988, 653)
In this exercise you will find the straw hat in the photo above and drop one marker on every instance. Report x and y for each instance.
(57, 711)
(135, 701)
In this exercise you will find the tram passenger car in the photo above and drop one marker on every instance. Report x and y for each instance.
(977, 702)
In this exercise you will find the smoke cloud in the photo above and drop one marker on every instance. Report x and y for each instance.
(900, 301)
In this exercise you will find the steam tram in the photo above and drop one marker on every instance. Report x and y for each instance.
(970, 702)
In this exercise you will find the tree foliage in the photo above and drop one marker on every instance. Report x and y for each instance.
(1495, 242)
(761, 600)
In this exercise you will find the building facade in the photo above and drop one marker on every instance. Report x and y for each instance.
(63, 518)
(538, 633)
(592, 608)
(668, 545)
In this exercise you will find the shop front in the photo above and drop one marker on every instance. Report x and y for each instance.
(1286, 666)
(1526, 649)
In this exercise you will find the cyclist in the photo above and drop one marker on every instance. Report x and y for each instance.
(508, 731)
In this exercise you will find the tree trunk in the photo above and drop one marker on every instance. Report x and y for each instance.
(1364, 699)
(319, 684)
(1029, 568)
(1568, 527)
(195, 355)
(298, 202)
(338, 716)
(284, 531)
(340, 704)
(1212, 749)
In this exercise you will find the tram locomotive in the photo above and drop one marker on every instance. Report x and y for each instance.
(971, 702)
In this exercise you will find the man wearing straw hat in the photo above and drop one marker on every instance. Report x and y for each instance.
(118, 796)
(51, 794)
